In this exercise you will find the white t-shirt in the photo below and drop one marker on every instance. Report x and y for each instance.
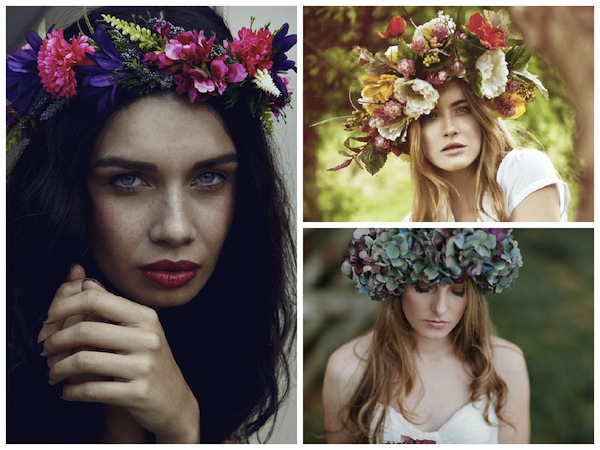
(522, 172)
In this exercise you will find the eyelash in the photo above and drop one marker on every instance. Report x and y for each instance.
(424, 290)
(220, 178)
(460, 109)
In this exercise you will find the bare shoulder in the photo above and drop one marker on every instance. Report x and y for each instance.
(347, 364)
(508, 357)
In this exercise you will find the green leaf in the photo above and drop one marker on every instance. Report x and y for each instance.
(518, 57)
(42, 30)
(404, 51)
(373, 159)
(474, 78)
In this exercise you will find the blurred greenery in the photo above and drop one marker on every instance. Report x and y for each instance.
(549, 314)
(331, 76)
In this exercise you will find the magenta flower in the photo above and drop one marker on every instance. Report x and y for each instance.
(190, 46)
(253, 49)
(57, 60)
(200, 84)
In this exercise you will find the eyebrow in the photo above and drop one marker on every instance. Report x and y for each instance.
(129, 164)
(453, 104)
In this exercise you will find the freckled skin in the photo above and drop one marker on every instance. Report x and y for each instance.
(177, 205)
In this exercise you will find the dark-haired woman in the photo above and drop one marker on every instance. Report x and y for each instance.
(149, 258)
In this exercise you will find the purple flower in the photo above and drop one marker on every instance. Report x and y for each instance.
(22, 79)
(281, 44)
(100, 81)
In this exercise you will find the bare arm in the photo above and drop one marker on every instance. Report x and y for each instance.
(542, 205)
(343, 373)
(510, 364)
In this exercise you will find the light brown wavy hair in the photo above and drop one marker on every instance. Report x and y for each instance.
(390, 373)
(431, 191)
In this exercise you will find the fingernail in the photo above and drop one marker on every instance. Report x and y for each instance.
(93, 280)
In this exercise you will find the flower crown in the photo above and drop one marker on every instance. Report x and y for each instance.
(399, 85)
(382, 261)
(143, 56)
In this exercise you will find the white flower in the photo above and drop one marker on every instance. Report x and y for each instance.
(419, 96)
(264, 81)
(392, 53)
(395, 129)
(425, 30)
(494, 73)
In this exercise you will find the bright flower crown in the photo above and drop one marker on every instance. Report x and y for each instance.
(399, 85)
(382, 261)
(146, 55)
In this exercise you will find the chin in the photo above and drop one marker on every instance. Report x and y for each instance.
(158, 299)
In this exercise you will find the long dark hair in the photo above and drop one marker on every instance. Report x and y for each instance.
(232, 341)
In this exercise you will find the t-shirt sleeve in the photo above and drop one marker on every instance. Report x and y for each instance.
(524, 171)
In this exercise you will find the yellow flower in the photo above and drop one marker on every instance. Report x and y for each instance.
(377, 91)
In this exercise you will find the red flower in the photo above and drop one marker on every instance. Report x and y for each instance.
(489, 36)
(394, 29)
(253, 49)
(57, 60)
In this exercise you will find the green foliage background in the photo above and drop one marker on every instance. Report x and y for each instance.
(331, 75)
(549, 314)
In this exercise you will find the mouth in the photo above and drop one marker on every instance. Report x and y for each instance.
(437, 324)
(170, 274)
(453, 147)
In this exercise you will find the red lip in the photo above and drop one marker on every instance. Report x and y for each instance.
(170, 274)
(453, 146)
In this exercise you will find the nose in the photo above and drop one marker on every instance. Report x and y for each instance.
(450, 129)
(173, 224)
(439, 303)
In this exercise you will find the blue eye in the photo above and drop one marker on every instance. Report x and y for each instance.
(127, 181)
(211, 179)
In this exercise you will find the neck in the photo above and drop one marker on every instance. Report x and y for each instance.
(433, 349)
(462, 198)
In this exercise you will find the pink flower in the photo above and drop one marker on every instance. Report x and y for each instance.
(406, 68)
(440, 32)
(437, 78)
(392, 109)
(253, 48)
(418, 44)
(200, 84)
(57, 60)
(190, 46)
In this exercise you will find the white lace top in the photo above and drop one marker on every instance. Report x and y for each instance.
(465, 426)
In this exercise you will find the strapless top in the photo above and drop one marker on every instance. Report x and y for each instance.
(465, 426)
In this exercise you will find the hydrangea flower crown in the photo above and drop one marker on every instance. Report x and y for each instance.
(382, 261)
(399, 86)
(143, 56)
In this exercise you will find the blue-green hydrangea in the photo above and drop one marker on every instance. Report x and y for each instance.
(382, 261)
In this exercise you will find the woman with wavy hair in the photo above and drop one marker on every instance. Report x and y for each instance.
(143, 184)
(442, 99)
(431, 370)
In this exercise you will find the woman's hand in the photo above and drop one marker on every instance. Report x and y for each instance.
(125, 360)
